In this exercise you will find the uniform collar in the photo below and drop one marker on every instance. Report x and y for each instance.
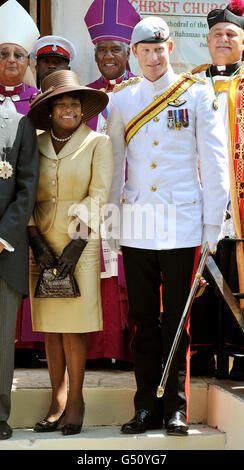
(223, 70)
(163, 82)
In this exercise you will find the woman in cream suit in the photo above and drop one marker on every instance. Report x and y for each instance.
(75, 175)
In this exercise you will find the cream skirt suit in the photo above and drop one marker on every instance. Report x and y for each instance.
(73, 185)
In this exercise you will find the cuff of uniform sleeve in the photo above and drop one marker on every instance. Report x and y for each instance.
(7, 245)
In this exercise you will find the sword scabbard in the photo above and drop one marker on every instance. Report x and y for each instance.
(175, 344)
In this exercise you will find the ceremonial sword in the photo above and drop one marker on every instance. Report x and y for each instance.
(193, 291)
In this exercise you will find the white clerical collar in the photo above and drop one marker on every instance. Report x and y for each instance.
(163, 82)
(222, 68)
(114, 81)
(10, 88)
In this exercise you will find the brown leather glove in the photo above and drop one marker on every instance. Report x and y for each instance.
(42, 253)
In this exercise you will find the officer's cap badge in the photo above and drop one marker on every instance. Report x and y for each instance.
(159, 34)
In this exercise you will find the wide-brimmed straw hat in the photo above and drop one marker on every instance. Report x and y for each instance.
(57, 83)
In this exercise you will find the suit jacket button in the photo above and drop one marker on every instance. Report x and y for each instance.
(153, 165)
(153, 188)
(155, 142)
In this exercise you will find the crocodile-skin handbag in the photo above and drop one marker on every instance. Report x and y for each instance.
(50, 285)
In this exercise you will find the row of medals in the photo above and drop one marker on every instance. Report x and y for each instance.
(177, 118)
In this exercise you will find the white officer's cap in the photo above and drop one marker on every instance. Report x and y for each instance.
(151, 29)
(53, 46)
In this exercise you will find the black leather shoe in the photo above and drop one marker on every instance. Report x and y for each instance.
(142, 421)
(5, 430)
(47, 426)
(177, 425)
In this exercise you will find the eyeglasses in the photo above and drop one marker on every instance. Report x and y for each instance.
(17, 56)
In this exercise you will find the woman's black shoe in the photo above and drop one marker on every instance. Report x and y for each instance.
(47, 426)
(69, 429)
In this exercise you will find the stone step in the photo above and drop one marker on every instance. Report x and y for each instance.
(226, 411)
(200, 437)
(108, 396)
(216, 414)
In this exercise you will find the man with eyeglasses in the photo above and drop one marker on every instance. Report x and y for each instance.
(14, 94)
(18, 185)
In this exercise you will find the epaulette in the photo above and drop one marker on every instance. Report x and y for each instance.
(194, 78)
(200, 68)
(126, 83)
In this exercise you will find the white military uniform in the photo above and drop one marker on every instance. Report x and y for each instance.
(162, 165)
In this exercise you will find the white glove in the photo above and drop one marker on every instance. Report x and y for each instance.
(211, 234)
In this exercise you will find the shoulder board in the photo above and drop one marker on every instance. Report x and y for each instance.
(194, 78)
(200, 68)
(126, 83)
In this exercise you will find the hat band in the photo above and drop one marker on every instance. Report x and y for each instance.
(54, 50)
(153, 39)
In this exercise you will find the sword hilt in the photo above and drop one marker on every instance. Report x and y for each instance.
(160, 391)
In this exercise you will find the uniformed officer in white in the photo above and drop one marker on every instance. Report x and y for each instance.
(164, 122)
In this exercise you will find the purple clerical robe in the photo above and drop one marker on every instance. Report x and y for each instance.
(20, 96)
